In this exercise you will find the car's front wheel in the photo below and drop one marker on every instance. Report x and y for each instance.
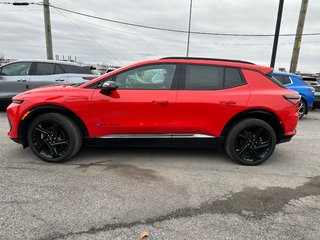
(251, 142)
(54, 137)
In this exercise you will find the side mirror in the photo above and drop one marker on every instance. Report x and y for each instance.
(108, 87)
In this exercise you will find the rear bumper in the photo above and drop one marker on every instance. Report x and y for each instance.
(284, 139)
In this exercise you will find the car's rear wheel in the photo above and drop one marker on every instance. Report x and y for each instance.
(251, 142)
(302, 109)
(54, 137)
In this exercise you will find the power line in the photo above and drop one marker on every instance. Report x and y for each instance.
(176, 30)
(252, 44)
(88, 35)
(167, 29)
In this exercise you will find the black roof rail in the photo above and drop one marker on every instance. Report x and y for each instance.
(212, 59)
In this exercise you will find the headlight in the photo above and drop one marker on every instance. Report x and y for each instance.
(17, 101)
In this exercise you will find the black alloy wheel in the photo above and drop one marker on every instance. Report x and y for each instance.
(251, 142)
(54, 137)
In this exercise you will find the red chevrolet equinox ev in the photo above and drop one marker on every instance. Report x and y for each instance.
(175, 101)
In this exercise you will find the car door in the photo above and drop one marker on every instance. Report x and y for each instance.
(13, 79)
(208, 98)
(46, 74)
(142, 106)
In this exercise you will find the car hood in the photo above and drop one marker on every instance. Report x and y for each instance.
(43, 90)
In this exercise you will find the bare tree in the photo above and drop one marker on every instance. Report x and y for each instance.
(1, 58)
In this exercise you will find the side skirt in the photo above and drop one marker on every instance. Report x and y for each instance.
(216, 142)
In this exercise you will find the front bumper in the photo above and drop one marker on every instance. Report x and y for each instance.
(17, 140)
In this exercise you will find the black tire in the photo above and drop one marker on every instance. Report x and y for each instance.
(302, 109)
(251, 142)
(54, 137)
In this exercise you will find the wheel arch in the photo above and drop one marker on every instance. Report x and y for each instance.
(34, 112)
(262, 114)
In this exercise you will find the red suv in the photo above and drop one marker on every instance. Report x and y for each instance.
(175, 101)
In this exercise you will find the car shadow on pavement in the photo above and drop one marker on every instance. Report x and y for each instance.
(140, 155)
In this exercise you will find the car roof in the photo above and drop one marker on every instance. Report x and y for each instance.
(217, 61)
(287, 74)
(48, 61)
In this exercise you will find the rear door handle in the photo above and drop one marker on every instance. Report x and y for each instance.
(228, 102)
(59, 80)
(22, 80)
(160, 102)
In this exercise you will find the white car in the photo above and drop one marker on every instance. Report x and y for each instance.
(22, 75)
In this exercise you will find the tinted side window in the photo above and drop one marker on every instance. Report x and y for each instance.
(72, 69)
(279, 78)
(232, 78)
(158, 76)
(286, 80)
(87, 69)
(58, 70)
(16, 69)
(203, 77)
(45, 69)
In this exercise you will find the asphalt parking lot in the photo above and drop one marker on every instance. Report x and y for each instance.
(171, 193)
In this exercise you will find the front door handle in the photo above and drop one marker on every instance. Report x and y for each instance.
(228, 102)
(22, 80)
(59, 80)
(160, 102)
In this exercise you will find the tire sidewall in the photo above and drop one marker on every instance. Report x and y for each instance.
(304, 109)
(230, 142)
(65, 123)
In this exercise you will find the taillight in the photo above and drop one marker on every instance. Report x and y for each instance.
(293, 98)
(88, 78)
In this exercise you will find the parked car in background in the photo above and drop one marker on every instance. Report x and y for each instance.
(20, 76)
(189, 102)
(294, 82)
(313, 82)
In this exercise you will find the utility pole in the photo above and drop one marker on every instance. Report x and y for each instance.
(276, 35)
(188, 42)
(297, 41)
(47, 29)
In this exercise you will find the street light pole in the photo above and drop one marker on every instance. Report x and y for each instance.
(276, 35)
(47, 29)
(189, 29)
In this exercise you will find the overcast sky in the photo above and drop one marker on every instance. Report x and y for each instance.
(96, 41)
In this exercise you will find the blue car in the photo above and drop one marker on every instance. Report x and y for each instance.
(294, 82)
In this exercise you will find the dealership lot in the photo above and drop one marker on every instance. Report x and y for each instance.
(105, 193)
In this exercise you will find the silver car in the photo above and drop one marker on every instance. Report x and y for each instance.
(20, 76)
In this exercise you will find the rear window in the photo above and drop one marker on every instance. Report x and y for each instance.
(283, 79)
(58, 70)
(232, 78)
(45, 68)
(204, 77)
(271, 77)
(75, 69)
(286, 80)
